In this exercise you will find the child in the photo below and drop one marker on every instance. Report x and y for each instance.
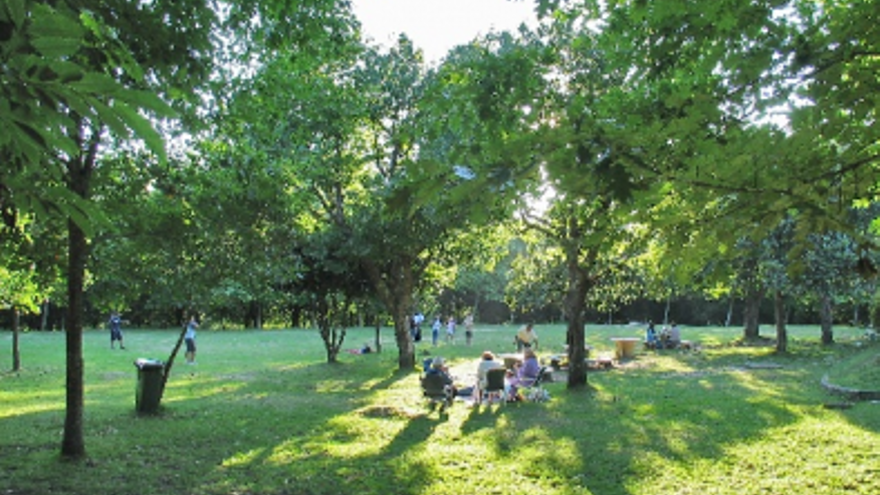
(450, 330)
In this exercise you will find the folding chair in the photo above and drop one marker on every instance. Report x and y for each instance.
(494, 386)
(435, 389)
(534, 392)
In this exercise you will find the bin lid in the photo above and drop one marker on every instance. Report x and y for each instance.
(148, 363)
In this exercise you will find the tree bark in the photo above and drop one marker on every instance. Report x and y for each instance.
(79, 175)
(779, 313)
(575, 304)
(166, 372)
(16, 350)
(666, 310)
(394, 288)
(826, 316)
(44, 314)
(73, 442)
(729, 317)
(751, 315)
(378, 342)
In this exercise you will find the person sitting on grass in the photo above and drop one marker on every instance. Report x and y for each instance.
(650, 336)
(674, 336)
(523, 375)
(366, 349)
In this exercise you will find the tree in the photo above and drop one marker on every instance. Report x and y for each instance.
(330, 281)
(826, 274)
(18, 291)
(59, 59)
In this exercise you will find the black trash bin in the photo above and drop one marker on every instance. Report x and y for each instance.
(149, 385)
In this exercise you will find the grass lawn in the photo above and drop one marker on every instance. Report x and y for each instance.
(262, 413)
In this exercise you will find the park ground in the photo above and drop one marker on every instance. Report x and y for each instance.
(263, 413)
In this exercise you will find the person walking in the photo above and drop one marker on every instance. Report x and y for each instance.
(190, 339)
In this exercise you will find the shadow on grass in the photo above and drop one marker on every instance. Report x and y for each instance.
(603, 438)
(359, 427)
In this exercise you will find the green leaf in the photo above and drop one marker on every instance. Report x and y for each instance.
(142, 127)
(97, 84)
(16, 11)
(54, 34)
(54, 47)
(31, 134)
(110, 117)
(149, 101)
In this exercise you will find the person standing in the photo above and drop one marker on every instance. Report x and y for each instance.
(115, 324)
(450, 330)
(435, 330)
(190, 339)
(419, 319)
(469, 328)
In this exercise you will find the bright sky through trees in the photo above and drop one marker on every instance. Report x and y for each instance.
(436, 26)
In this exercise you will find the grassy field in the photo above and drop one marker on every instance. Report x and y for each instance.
(262, 413)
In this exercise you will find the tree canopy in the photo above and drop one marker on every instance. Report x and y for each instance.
(260, 161)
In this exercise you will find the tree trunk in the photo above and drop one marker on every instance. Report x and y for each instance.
(666, 311)
(16, 351)
(575, 304)
(44, 314)
(395, 292)
(729, 317)
(779, 313)
(406, 359)
(295, 316)
(826, 317)
(79, 174)
(167, 371)
(378, 342)
(751, 315)
(258, 314)
(330, 317)
(333, 339)
(73, 443)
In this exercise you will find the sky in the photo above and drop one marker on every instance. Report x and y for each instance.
(436, 26)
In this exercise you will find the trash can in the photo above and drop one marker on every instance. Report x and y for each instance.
(149, 385)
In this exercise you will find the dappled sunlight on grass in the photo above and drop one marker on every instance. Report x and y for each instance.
(540, 447)
(21, 408)
(799, 451)
(243, 458)
(192, 388)
(282, 421)
(356, 436)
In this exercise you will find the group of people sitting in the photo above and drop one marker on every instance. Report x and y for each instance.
(668, 338)
(523, 374)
